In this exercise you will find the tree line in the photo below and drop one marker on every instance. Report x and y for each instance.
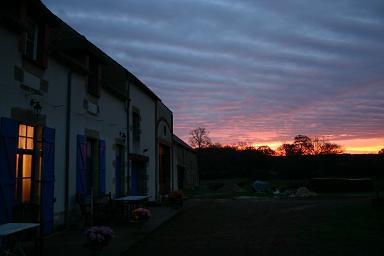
(303, 158)
(301, 145)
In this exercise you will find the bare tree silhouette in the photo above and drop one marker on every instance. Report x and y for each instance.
(303, 145)
(199, 138)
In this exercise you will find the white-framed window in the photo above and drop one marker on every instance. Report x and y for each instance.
(31, 40)
(136, 131)
(28, 165)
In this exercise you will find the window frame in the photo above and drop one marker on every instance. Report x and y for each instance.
(36, 165)
(34, 42)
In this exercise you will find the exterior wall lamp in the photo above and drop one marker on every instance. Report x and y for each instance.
(36, 108)
(122, 135)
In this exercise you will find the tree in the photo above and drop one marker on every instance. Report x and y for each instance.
(381, 151)
(286, 150)
(199, 138)
(266, 150)
(241, 145)
(329, 148)
(323, 147)
(303, 145)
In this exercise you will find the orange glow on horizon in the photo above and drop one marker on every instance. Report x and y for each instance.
(271, 139)
(353, 146)
(362, 146)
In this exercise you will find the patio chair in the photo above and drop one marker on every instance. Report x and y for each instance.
(103, 208)
(85, 209)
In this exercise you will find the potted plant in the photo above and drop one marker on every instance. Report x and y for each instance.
(176, 198)
(141, 215)
(98, 237)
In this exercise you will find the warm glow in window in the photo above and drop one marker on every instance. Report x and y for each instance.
(26, 134)
(23, 177)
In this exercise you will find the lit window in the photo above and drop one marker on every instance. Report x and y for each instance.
(26, 134)
(23, 177)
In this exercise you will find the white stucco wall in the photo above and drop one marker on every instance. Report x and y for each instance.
(109, 122)
(52, 101)
(9, 87)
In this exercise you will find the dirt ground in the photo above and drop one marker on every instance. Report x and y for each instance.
(342, 226)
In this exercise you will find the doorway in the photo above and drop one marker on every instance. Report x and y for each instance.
(91, 174)
(138, 178)
(28, 174)
(164, 169)
(180, 177)
(120, 172)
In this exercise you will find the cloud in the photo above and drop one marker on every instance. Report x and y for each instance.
(252, 70)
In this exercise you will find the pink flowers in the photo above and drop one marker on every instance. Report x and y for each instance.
(99, 235)
(141, 214)
(176, 195)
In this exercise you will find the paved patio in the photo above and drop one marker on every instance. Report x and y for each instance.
(71, 242)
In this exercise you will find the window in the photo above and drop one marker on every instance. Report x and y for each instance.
(26, 135)
(24, 163)
(31, 40)
(136, 131)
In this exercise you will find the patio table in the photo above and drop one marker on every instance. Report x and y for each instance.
(14, 232)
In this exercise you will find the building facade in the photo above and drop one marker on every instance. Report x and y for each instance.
(72, 121)
(185, 165)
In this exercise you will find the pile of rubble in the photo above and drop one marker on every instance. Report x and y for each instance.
(230, 188)
(301, 192)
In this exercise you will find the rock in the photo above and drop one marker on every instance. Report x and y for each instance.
(304, 192)
(261, 186)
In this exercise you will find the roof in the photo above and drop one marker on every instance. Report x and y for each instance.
(141, 85)
(81, 42)
(182, 143)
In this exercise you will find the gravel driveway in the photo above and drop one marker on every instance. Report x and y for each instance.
(266, 227)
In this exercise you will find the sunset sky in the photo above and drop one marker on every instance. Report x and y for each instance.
(254, 71)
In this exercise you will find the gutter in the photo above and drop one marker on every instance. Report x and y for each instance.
(67, 144)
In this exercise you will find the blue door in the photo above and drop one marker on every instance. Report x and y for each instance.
(138, 178)
(8, 144)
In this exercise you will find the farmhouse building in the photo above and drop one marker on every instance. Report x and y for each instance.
(73, 121)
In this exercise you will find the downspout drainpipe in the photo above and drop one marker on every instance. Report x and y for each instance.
(172, 156)
(67, 150)
(156, 157)
(128, 180)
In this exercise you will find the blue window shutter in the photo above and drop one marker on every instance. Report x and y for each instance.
(8, 144)
(47, 180)
(102, 166)
(118, 176)
(81, 165)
